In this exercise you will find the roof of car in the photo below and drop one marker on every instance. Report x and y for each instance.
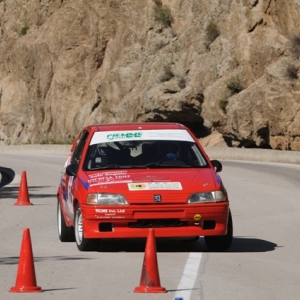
(134, 126)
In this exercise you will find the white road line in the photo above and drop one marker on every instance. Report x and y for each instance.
(189, 276)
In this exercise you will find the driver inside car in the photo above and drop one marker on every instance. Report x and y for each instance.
(169, 151)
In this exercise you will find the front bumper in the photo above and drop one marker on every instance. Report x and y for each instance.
(119, 221)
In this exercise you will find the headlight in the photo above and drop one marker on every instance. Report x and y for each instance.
(214, 196)
(106, 199)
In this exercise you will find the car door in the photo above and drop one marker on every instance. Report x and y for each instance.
(70, 180)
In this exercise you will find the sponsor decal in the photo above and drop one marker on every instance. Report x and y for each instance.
(197, 217)
(109, 177)
(159, 134)
(110, 213)
(218, 179)
(154, 186)
(123, 136)
(99, 210)
(64, 192)
(85, 184)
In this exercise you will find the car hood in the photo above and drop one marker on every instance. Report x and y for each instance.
(140, 186)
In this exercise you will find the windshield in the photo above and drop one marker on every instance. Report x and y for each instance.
(144, 154)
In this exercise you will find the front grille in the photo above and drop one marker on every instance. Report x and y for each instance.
(105, 227)
(157, 223)
(211, 224)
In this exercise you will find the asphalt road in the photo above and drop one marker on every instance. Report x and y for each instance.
(263, 262)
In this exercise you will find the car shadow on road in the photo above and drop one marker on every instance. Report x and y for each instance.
(239, 244)
(14, 260)
(250, 244)
(12, 192)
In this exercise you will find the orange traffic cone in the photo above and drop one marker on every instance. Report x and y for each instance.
(150, 282)
(26, 281)
(23, 196)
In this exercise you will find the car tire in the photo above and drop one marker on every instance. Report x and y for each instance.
(65, 233)
(221, 242)
(82, 243)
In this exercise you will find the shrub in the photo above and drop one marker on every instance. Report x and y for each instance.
(212, 31)
(42, 111)
(163, 15)
(295, 45)
(234, 84)
(291, 72)
(167, 75)
(223, 103)
(158, 3)
(160, 45)
(23, 30)
(182, 83)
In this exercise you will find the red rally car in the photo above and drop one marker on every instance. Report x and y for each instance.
(119, 180)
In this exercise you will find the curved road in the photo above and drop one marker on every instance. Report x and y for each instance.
(263, 262)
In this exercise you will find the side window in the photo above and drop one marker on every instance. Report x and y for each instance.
(197, 157)
(79, 147)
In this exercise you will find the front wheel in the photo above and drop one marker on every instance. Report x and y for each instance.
(82, 243)
(221, 243)
(65, 233)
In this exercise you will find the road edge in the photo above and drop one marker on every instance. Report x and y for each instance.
(221, 153)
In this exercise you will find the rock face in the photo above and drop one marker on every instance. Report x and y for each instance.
(217, 66)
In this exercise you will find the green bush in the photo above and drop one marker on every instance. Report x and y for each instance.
(160, 45)
(23, 30)
(163, 15)
(295, 45)
(223, 103)
(168, 74)
(234, 84)
(42, 111)
(291, 72)
(182, 83)
(157, 3)
(212, 32)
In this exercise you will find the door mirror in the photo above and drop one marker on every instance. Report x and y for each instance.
(72, 169)
(217, 165)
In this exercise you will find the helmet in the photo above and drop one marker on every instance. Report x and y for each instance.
(169, 150)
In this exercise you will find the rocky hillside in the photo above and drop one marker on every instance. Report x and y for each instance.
(227, 68)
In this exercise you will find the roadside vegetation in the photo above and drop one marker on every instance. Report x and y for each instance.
(211, 32)
(56, 142)
(291, 71)
(167, 74)
(22, 31)
(163, 15)
(223, 103)
(295, 45)
(234, 84)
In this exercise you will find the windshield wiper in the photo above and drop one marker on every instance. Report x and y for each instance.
(115, 166)
(112, 166)
(162, 165)
(151, 165)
